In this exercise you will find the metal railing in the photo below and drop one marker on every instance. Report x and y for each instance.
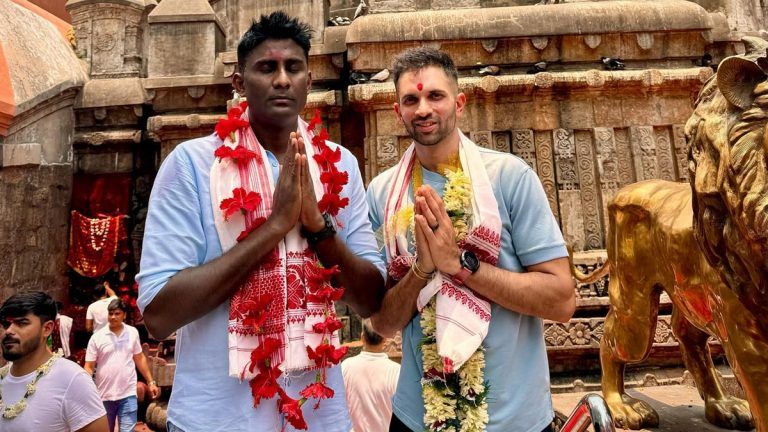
(591, 410)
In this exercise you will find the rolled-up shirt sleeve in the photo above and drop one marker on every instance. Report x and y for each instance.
(174, 238)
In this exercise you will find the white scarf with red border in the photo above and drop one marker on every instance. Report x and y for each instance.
(462, 317)
(282, 274)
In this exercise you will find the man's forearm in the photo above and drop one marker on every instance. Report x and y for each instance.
(398, 305)
(537, 293)
(362, 281)
(143, 366)
(195, 291)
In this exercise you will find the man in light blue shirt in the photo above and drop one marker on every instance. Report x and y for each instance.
(531, 280)
(186, 282)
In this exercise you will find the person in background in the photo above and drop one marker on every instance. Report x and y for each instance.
(60, 337)
(96, 315)
(370, 379)
(40, 391)
(117, 352)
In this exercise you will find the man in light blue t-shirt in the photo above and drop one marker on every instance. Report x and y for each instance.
(531, 280)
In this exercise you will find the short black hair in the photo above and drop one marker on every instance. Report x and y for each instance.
(277, 25)
(118, 304)
(99, 290)
(420, 57)
(370, 336)
(38, 303)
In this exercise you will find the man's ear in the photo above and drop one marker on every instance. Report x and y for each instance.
(47, 328)
(309, 81)
(461, 102)
(396, 107)
(238, 83)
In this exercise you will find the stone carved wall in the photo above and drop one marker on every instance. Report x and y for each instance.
(109, 36)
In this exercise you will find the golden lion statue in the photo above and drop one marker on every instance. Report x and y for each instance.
(706, 245)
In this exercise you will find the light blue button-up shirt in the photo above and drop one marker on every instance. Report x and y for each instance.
(179, 234)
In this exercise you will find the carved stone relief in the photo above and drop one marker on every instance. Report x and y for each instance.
(482, 138)
(522, 146)
(545, 168)
(644, 152)
(607, 167)
(569, 193)
(624, 157)
(667, 165)
(589, 193)
(386, 152)
(501, 142)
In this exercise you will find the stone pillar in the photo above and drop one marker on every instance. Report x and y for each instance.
(184, 37)
(108, 35)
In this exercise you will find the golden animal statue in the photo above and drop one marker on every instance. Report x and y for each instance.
(705, 245)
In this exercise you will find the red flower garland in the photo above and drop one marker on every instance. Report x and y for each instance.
(319, 289)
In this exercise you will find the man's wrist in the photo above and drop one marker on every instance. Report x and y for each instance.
(317, 224)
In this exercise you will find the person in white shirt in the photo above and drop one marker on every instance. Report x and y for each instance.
(116, 351)
(61, 339)
(40, 391)
(370, 379)
(96, 315)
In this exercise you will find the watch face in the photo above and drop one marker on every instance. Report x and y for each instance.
(469, 261)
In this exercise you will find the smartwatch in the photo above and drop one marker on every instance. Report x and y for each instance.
(328, 231)
(469, 265)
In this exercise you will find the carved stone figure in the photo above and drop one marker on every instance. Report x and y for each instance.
(706, 245)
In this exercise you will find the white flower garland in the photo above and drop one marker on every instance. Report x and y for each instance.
(453, 402)
(11, 412)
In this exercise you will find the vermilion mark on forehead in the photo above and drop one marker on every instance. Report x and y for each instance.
(420, 86)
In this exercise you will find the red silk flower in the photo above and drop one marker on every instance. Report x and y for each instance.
(291, 409)
(317, 390)
(316, 120)
(327, 157)
(228, 126)
(330, 325)
(241, 200)
(335, 180)
(264, 385)
(326, 352)
(325, 294)
(263, 352)
(331, 203)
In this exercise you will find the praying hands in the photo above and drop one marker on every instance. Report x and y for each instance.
(435, 238)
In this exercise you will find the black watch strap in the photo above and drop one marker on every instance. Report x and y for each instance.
(328, 231)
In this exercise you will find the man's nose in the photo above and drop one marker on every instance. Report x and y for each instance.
(281, 78)
(423, 109)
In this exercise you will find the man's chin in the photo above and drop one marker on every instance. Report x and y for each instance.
(11, 355)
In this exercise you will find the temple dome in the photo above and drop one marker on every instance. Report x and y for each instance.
(36, 59)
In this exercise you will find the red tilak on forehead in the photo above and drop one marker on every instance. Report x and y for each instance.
(420, 86)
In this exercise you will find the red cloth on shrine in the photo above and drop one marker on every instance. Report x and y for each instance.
(93, 243)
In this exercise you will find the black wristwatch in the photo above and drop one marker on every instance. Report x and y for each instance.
(328, 231)
(469, 265)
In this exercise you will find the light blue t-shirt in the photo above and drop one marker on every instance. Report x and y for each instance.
(516, 357)
(179, 234)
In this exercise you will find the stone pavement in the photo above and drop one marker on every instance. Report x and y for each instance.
(679, 406)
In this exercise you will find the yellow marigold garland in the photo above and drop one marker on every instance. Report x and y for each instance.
(454, 402)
